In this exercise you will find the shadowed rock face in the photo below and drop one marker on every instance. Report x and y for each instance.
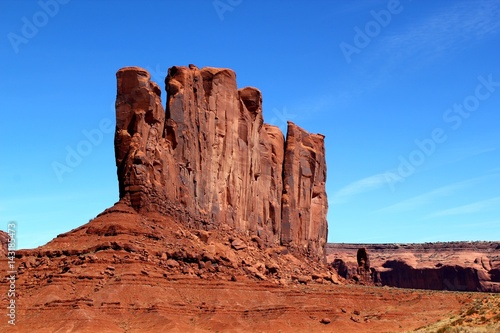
(210, 160)
(453, 278)
(362, 258)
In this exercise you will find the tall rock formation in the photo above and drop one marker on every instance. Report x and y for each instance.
(210, 160)
(304, 201)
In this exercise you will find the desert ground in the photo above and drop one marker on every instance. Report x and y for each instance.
(126, 272)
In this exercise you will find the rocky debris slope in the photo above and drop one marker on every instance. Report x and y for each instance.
(168, 249)
(455, 266)
(130, 272)
(210, 161)
(128, 261)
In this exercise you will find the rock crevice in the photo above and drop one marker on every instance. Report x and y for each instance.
(209, 158)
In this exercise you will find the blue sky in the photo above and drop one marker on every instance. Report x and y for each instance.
(406, 92)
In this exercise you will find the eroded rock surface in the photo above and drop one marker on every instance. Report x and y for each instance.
(304, 196)
(210, 160)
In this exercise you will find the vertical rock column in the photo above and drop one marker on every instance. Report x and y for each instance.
(140, 119)
(265, 145)
(304, 204)
(230, 163)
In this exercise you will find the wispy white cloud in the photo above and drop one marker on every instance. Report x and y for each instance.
(360, 186)
(418, 41)
(475, 207)
(449, 29)
(461, 154)
(423, 199)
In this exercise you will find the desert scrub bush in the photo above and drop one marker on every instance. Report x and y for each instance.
(458, 322)
(471, 311)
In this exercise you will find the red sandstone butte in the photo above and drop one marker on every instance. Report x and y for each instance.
(215, 210)
(210, 160)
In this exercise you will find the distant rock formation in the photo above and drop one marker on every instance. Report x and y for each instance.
(210, 160)
(363, 264)
(454, 266)
(445, 277)
(363, 259)
(4, 243)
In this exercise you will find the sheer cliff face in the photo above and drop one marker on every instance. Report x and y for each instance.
(210, 159)
(304, 201)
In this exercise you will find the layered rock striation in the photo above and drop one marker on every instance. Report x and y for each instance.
(210, 160)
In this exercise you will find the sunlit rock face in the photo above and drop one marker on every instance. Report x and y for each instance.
(209, 159)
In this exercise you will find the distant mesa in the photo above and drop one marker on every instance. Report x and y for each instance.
(453, 266)
(209, 159)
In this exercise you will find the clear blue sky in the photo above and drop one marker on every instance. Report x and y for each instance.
(407, 94)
